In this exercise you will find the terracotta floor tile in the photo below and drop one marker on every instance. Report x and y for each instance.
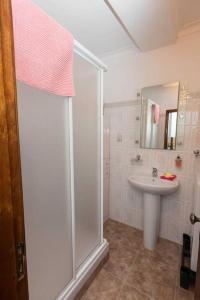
(130, 293)
(123, 235)
(152, 269)
(169, 252)
(120, 260)
(114, 230)
(182, 294)
(105, 286)
(160, 292)
(134, 273)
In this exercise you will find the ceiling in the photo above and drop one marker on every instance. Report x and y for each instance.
(106, 26)
(91, 23)
(156, 23)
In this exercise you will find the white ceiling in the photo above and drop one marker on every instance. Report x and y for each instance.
(155, 23)
(150, 23)
(91, 23)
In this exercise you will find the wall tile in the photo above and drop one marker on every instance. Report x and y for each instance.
(126, 203)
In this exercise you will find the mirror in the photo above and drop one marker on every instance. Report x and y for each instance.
(159, 116)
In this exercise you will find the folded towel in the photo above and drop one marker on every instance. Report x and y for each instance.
(43, 49)
(170, 177)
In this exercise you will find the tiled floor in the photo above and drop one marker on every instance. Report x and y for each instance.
(134, 273)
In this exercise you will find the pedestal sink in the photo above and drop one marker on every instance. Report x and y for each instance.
(152, 189)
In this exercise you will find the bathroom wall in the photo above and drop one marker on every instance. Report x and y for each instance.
(127, 74)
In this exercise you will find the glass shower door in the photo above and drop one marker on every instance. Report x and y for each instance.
(86, 123)
(45, 156)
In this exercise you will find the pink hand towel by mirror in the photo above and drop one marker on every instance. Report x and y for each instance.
(43, 50)
(156, 113)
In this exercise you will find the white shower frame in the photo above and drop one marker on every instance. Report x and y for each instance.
(81, 275)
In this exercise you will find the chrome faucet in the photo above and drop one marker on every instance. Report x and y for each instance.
(154, 172)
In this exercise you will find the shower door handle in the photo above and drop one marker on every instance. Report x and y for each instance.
(194, 219)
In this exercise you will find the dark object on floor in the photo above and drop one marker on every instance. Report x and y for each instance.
(187, 276)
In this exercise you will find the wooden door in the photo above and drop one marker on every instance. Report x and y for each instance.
(13, 276)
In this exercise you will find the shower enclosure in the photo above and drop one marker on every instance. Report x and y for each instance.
(62, 171)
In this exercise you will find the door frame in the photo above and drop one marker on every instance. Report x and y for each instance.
(166, 125)
(11, 196)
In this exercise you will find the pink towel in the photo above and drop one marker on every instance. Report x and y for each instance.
(43, 50)
(156, 113)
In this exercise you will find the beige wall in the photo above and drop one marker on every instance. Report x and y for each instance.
(129, 72)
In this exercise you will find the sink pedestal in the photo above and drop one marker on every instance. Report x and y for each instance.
(151, 219)
(152, 189)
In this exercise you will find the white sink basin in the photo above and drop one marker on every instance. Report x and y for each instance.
(152, 189)
(152, 185)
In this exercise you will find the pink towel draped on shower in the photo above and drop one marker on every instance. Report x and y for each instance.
(43, 50)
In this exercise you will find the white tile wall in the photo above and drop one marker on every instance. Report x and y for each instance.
(126, 203)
